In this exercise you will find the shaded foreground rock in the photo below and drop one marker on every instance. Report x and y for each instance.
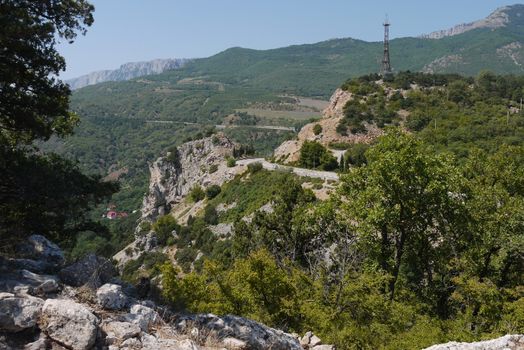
(93, 270)
(69, 323)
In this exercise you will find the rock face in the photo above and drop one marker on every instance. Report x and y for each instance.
(128, 71)
(508, 342)
(289, 151)
(171, 180)
(497, 19)
(69, 323)
(19, 312)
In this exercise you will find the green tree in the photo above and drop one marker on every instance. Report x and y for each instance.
(38, 192)
(313, 155)
(408, 202)
(164, 227)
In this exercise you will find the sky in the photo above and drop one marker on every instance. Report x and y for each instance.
(141, 30)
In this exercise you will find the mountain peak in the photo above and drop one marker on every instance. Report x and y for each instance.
(501, 17)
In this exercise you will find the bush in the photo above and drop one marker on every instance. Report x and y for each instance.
(254, 167)
(197, 194)
(172, 155)
(355, 155)
(231, 162)
(163, 228)
(313, 155)
(213, 168)
(210, 215)
(317, 129)
(213, 191)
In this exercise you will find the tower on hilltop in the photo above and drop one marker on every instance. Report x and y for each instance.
(386, 64)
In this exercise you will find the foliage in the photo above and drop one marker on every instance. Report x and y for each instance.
(212, 191)
(422, 250)
(231, 162)
(197, 194)
(254, 167)
(355, 154)
(317, 129)
(315, 156)
(163, 227)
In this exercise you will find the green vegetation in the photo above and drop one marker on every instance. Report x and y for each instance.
(212, 191)
(315, 156)
(40, 192)
(197, 194)
(317, 129)
(164, 227)
(231, 162)
(423, 250)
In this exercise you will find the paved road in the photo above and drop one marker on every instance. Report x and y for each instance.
(324, 175)
(220, 126)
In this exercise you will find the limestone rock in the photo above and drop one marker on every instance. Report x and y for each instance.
(120, 331)
(92, 270)
(507, 342)
(110, 296)
(171, 180)
(255, 335)
(69, 323)
(234, 343)
(19, 312)
(143, 316)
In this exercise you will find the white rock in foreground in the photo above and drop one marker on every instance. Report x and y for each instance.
(18, 313)
(110, 296)
(69, 323)
(507, 342)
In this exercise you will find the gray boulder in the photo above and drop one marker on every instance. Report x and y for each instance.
(92, 270)
(19, 312)
(118, 332)
(143, 316)
(507, 342)
(69, 323)
(111, 296)
(254, 334)
(37, 247)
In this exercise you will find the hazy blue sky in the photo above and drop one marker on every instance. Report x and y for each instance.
(138, 30)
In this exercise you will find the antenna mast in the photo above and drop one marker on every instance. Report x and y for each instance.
(386, 64)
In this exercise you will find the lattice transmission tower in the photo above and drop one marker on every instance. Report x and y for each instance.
(386, 63)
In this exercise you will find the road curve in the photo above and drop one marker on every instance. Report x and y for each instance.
(324, 175)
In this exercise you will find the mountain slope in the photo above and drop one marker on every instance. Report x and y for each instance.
(127, 71)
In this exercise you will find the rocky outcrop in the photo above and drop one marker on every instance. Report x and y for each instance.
(289, 151)
(499, 18)
(508, 342)
(69, 323)
(128, 71)
(173, 177)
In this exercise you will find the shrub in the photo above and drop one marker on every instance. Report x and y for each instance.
(355, 155)
(212, 191)
(197, 194)
(231, 162)
(210, 215)
(213, 168)
(163, 228)
(254, 167)
(313, 155)
(172, 155)
(317, 129)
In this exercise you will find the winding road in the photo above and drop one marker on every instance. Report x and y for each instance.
(324, 175)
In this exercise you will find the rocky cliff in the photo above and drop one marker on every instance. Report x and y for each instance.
(289, 151)
(201, 162)
(127, 71)
(499, 18)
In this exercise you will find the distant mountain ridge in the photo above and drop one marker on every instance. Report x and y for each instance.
(128, 71)
(499, 18)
